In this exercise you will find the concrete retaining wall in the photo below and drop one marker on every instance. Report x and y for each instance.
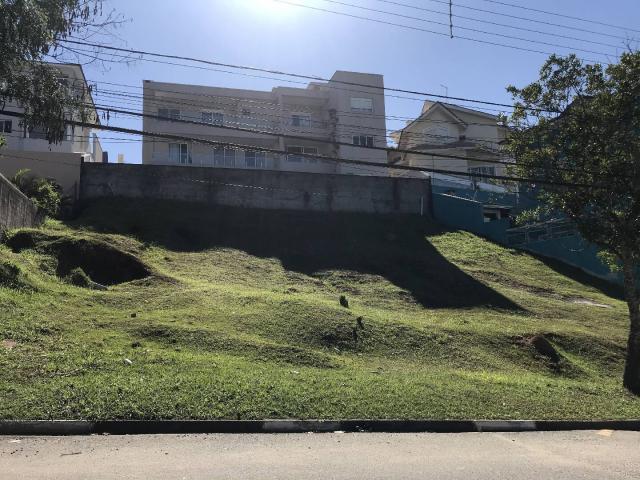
(258, 188)
(63, 168)
(16, 210)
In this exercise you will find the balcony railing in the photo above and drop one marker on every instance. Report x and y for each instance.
(540, 232)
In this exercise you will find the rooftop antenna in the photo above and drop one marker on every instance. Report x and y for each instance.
(446, 90)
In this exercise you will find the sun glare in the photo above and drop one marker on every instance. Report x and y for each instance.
(271, 7)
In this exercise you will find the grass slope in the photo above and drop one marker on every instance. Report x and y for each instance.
(240, 318)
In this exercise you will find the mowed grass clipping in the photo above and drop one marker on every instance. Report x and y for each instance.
(213, 312)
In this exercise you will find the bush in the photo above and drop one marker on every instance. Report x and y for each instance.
(44, 192)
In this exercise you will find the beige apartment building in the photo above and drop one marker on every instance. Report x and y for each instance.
(30, 149)
(445, 130)
(320, 115)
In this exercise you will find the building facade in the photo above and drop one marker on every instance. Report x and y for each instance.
(78, 140)
(443, 131)
(330, 119)
(30, 149)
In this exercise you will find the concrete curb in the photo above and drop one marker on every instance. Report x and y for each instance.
(140, 427)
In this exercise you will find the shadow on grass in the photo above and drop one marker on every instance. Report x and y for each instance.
(394, 247)
(608, 288)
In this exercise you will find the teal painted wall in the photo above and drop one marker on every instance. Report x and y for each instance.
(466, 214)
(575, 251)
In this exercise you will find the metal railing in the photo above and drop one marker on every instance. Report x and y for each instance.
(540, 232)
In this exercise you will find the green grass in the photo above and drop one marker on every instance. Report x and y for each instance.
(240, 318)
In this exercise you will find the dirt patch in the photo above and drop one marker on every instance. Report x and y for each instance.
(586, 301)
(541, 347)
(101, 262)
(8, 344)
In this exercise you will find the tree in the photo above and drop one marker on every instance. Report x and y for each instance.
(579, 125)
(45, 193)
(31, 31)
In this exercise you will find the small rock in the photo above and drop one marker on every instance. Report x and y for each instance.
(134, 315)
(127, 361)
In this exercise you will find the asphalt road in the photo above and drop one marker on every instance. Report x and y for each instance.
(561, 455)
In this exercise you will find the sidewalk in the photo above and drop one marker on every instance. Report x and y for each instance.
(588, 455)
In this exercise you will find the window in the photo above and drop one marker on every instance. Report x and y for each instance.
(363, 140)
(213, 118)
(293, 150)
(229, 157)
(179, 153)
(255, 159)
(169, 113)
(6, 126)
(38, 132)
(298, 120)
(437, 135)
(361, 105)
(477, 171)
(224, 157)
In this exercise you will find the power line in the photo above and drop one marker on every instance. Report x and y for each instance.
(313, 156)
(387, 150)
(460, 27)
(498, 24)
(478, 109)
(542, 22)
(441, 156)
(262, 117)
(69, 136)
(304, 138)
(253, 100)
(348, 133)
(332, 142)
(314, 139)
(596, 22)
(209, 181)
(420, 29)
(296, 75)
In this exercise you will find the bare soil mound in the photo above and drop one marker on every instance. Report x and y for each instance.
(102, 263)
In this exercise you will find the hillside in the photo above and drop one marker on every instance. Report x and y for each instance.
(229, 313)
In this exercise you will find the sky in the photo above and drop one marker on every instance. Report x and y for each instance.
(284, 37)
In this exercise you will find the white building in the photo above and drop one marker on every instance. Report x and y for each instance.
(30, 149)
(321, 114)
(454, 138)
(78, 140)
